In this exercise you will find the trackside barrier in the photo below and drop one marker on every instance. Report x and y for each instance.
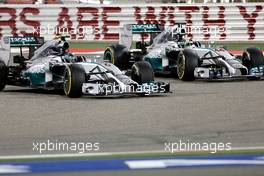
(219, 22)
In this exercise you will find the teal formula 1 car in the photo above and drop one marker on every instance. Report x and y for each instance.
(50, 66)
(169, 53)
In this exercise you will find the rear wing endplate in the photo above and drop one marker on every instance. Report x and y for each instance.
(5, 49)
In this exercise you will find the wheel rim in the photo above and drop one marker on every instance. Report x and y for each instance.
(67, 81)
(181, 66)
(108, 57)
(135, 75)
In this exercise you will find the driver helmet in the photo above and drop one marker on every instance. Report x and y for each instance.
(57, 36)
(179, 33)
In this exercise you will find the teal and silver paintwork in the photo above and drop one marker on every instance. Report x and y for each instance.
(155, 62)
(158, 54)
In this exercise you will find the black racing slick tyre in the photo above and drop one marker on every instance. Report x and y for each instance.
(187, 61)
(142, 72)
(118, 55)
(3, 75)
(252, 57)
(74, 77)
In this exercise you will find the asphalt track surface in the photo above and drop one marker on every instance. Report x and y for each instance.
(227, 112)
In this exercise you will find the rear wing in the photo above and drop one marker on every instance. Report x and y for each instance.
(27, 41)
(126, 32)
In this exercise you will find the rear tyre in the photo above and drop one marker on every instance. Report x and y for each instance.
(3, 75)
(186, 63)
(74, 77)
(252, 57)
(142, 72)
(118, 55)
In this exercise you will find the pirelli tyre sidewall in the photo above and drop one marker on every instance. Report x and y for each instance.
(252, 57)
(3, 74)
(74, 77)
(187, 61)
(142, 72)
(118, 55)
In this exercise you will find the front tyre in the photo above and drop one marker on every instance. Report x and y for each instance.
(142, 72)
(186, 63)
(74, 77)
(3, 75)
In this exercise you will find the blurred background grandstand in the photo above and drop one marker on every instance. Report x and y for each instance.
(120, 1)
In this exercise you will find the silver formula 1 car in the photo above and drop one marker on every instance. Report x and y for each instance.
(170, 53)
(50, 66)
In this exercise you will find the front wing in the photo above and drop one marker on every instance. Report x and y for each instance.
(207, 74)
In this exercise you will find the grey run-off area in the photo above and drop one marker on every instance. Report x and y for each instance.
(228, 112)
